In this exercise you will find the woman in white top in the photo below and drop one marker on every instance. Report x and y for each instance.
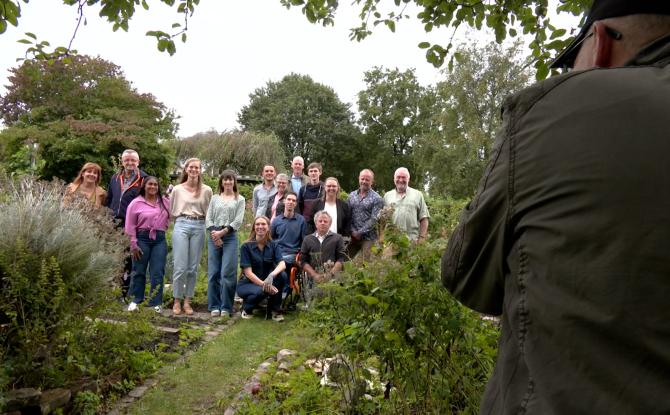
(224, 218)
(188, 204)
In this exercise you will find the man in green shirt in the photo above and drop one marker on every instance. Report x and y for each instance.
(411, 213)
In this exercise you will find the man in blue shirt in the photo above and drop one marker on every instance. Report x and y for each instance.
(288, 229)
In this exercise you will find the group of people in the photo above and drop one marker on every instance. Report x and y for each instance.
(293, 214)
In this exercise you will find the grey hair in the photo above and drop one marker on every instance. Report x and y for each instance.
(320, 213)
(401, 170)
(281, 176)
(130, 151)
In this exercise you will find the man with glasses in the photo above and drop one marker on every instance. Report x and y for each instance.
(567, 236)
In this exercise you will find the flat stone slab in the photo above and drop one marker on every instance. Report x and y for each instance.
(18, 399)
(138, 392)
(53, 399)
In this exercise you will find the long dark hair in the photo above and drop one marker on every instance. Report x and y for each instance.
(160, 191)
(229, 174)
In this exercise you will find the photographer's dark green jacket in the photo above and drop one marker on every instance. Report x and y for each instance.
(568, 237)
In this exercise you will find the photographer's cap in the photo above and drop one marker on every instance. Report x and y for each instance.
(604, 9)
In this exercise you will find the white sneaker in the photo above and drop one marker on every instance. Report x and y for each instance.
(215, 313)
(158, 309)
(225, 314)
(247, 316)
(132, 306)
(277, 316)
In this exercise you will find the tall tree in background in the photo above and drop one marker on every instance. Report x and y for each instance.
(62, 114)
(309, 120)
(456, 151)
(244, 152)
(394, 111)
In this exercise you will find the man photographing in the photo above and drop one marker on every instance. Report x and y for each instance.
(567, 236)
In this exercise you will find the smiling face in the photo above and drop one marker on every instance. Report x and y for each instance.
(401, 180)
(151, 187)
(268, 173)
(365, 181)
(332, 188)
(282, 184)
(130, 161)
(261, 228)
(193, 169)
(90, 176)
(227, 183)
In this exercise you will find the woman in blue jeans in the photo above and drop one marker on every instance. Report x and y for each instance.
(189, 201)
(224, 218)
(262, 263)
(147, 220)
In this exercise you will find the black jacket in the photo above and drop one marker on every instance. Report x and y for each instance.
(343, 217)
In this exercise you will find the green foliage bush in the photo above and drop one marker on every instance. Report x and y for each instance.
(56, 266)
(392, 314)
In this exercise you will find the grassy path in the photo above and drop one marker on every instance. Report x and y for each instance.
(210, 378)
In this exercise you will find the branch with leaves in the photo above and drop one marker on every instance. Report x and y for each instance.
(117, 12)
(504, 17)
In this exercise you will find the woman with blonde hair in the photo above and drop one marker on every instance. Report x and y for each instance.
(86, 185)
(224, 218)
(337, 208)
(262, 264)
(189, 201)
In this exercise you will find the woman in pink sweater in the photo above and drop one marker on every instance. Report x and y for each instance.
(147, 220)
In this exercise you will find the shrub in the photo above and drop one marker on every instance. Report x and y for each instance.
(392, 313)
(56, 266)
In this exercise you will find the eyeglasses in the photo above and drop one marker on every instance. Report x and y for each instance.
(614, 34)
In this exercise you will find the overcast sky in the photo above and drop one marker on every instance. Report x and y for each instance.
(233, 47)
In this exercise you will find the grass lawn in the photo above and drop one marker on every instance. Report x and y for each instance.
(208, 381)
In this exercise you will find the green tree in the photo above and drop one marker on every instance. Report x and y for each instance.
(244, 152)
(468, 116)
(309, 120)
(65, 113)
(394, 110)
(504, 17)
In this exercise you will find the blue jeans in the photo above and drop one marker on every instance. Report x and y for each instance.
(253, 294)
(222, 273)
(188, 238)
(154, 253)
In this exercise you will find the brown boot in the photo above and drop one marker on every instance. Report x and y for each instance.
(176, 308)
(187, 307)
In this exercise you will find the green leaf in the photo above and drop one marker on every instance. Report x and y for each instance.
(542, 72)
(175, 25)
(24, 41)
(32, 35)
(369, 300)
(557, 33)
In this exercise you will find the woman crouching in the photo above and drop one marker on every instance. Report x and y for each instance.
(262, 263)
